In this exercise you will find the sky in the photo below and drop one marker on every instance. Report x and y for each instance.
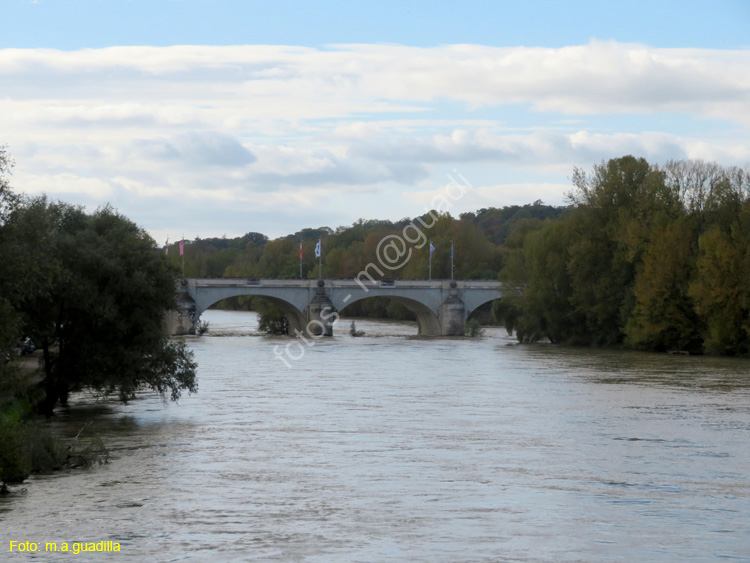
(203, 118)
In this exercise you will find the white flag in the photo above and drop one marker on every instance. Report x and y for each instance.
(317, 249)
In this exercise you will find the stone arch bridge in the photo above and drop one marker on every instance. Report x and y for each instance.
(312, 306)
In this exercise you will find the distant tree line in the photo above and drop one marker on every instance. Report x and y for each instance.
(477, 238)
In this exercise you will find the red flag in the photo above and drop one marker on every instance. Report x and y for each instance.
(300, 251)
(182, 249)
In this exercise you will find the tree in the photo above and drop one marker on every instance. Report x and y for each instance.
(664, 315)
(7, 198)
(271, 319)
(92, 292)
(615, 208)
(9, 322)
(537, 288)
(720, 291)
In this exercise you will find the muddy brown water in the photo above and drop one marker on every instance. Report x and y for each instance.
(394, 448)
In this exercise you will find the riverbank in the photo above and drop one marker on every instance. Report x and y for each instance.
(26, 446)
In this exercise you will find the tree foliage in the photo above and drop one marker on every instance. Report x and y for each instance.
(272, 319)
(9, 321)
(8, 200)
(720, 288)
(651, 257)
(91, 291)
(665, 316)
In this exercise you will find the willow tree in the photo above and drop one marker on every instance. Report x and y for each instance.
(91, 290)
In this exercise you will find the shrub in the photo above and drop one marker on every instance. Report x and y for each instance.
(473, 329)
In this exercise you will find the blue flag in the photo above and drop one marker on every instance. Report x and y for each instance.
(432, 248)
(317, 249)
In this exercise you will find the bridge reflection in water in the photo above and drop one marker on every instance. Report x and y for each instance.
(311, 306)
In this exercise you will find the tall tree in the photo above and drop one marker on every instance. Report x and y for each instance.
(664, 316)
(92, 291)
(9, 322)
(720, 289)
(614, 207)
(8, 199)
(538, 287)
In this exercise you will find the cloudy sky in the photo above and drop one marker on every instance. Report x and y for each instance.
(221, 117)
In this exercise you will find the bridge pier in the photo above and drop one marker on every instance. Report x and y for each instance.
(183, 319)
(320, 313)
(452, 314)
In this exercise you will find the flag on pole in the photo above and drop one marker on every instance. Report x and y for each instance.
(166, 246)
(429, 267)
(182, 247)
(317, 249)
(300, 251)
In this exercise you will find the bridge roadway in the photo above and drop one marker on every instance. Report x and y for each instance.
(311, 306)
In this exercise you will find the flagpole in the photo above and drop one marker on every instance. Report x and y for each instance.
(300, 259)
(319, 256)
(451, 258)
(429, 248)
(182, 253)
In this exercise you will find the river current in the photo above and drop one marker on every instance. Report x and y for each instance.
(390, 447)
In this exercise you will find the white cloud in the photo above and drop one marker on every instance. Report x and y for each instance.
(545, 149)
(351, 130)
(65, 184)
(461, 197)
(596, 78)
(197, 148)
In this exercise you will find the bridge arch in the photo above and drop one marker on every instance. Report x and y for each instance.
(428, 323)
(475, 299)
(476, 303)
(290, 307)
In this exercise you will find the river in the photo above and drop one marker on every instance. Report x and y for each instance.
(390, 447)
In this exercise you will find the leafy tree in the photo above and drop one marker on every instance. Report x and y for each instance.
(538, 288)
(497, 224)
(720, 290)
(614, 207)
(10, 382)
(664, 316)
(92, 291)
(709, 193)
(8, 199)
(655, 258)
